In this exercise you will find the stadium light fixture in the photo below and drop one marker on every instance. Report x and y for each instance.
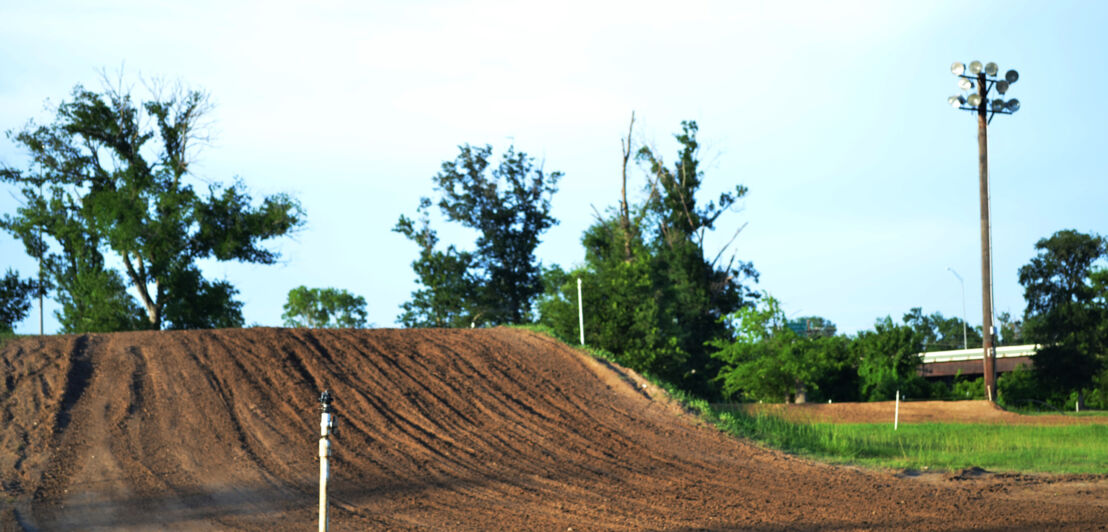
(984, 78)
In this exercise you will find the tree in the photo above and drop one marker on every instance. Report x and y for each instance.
(324, 307)
(510, 209)
(695, 292)
(1067, 311)
(1011, 331)
(15, 299)
(939, 333)
(769, 361)
(112, 176)
(450, 285)
(652, 297)
(623, 311)
(888, 357)
(698, 292)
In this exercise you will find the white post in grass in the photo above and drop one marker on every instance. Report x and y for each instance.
(326, 427)
(580, 312)
(896, 416)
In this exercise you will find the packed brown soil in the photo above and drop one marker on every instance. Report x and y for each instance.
(917, 412)
(439, 429)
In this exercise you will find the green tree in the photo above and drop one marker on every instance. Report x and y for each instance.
(694, 292)
(651, 296)
(509, 207)
(939, 333)
(1011, 331)
(15, 299)
(1067, 311)
(623, 313)
(324, 307)
(1022, 388)
(109, 175)
(888, 357)
(449, 284)
(769, 361)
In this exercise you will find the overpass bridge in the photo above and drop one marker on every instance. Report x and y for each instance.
(970, 361)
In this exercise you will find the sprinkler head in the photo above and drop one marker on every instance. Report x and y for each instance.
(325, 400)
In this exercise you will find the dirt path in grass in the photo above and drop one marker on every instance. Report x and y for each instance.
(918, 412)
(494, 429)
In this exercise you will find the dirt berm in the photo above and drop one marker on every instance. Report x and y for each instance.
(495, 429)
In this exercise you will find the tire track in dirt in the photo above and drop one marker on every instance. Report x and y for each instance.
(76, 382)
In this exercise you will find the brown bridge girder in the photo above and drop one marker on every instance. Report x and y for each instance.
(971, 367)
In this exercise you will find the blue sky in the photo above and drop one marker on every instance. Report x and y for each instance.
(863, 181)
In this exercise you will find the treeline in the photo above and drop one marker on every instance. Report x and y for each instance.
(660, 303)
(773, 359)
(109, 183)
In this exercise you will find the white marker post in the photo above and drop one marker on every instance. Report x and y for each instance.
(580, 312)
(896, 416)
(326, 426)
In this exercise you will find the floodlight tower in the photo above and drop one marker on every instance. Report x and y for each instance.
(984, 79)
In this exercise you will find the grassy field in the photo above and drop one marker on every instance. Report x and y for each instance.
(928, 446)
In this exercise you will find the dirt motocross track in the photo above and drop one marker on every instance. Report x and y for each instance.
(496, 429)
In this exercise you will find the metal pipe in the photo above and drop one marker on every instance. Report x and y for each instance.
(326, 424)
(580, 312)
(896, 416)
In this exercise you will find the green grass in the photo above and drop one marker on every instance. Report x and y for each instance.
(1056, 412)
(941, 446)
(6, 336)
(922, 446)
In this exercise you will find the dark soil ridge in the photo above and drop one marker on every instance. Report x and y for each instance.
(495, 429)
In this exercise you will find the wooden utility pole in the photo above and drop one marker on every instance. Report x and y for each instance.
(988, 351)
(979, 104)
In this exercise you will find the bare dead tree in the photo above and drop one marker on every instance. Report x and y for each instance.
(624, 208)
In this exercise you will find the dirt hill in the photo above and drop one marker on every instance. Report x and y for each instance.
(495, 429)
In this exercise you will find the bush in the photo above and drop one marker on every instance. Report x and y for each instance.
(965, 389)
(1022, 388)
